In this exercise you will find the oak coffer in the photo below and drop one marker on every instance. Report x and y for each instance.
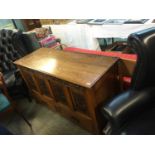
(73, 84)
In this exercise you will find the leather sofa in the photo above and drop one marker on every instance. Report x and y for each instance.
(12, 47)
(133, 111)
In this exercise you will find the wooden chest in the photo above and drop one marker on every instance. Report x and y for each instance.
(73, 84)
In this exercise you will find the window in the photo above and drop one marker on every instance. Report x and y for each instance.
(6, 23)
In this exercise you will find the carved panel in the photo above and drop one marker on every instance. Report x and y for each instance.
(59, 93)
(42, 83)
(79, 102)
(29, 79)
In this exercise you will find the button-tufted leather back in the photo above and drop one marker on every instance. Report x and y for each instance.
(143, 43)
(8, 50)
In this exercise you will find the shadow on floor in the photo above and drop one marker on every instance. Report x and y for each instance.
(43, 120)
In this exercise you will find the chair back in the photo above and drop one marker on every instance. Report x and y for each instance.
(143, 43)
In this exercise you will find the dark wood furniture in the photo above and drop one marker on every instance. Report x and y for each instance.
(31, 24)
(74, 84)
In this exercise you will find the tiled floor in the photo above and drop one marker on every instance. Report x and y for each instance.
(44, 122)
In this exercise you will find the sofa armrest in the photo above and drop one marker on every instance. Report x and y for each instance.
(127, 105)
